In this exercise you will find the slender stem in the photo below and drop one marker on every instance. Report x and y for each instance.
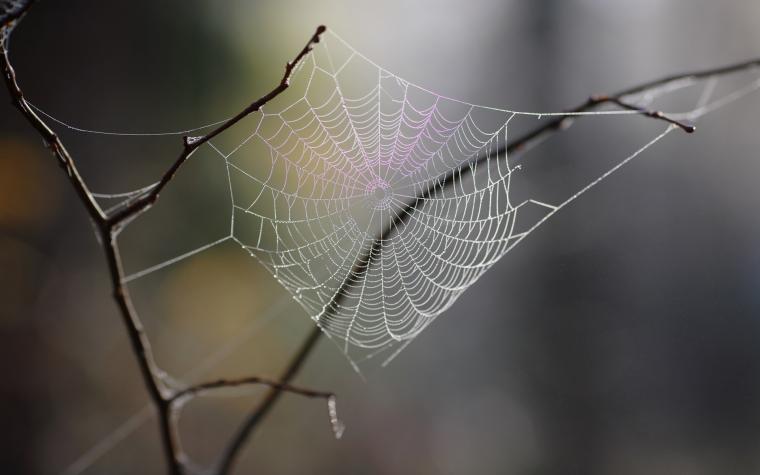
(191, 144)
(232, 451)
(141, 347)
(688, 128)
(52, 141)
(201, 388)
(163, 398)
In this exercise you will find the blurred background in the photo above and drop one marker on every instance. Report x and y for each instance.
(620, 338)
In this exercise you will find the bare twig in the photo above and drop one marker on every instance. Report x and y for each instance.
(688, 128)
(201, 388)
(163, 397)
(191, 144)
(229, 456)
(280, 386)
(51, 139)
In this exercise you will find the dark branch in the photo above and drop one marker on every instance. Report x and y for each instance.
(52, 142)
(192, 144)
(107, 227)
(688, 128)
(231, 452)
(280, 386)
(248, 381)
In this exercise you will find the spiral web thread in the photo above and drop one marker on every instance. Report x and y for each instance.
(357, 146)
(326, 169)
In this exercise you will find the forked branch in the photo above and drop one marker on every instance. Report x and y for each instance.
(201, 388)
(191, 144)
(163, 396)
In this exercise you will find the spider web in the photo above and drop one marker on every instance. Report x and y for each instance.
(376, 202)
(352, 151)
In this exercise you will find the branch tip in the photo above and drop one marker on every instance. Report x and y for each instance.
(655, 114)
(189, 140)
(320, 29)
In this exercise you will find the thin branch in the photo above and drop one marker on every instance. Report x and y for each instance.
(52, 142)
(108, 227)
(191, 144)
(232, 450)
(150, 372)
(688, 128)
(280, 386)
(198, 389)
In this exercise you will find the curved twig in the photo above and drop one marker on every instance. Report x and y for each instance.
(231, 452)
